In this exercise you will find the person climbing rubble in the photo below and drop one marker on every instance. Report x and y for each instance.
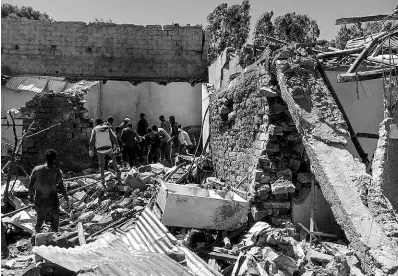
(43, 184)
(102, 142)
(165, 144)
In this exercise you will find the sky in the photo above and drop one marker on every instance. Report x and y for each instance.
(163, 12)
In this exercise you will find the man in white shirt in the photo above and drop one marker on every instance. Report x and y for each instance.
(185, 141)
(165, 144)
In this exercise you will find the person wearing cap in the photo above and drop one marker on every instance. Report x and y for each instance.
(165, 124)
(142, 125)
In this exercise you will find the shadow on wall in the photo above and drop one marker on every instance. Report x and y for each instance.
(121, 99)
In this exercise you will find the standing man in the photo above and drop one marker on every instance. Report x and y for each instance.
(142, 125)
(165, 144)
(175, 145)
(109, 122)
(165, 124)
(43, 184)
(102, 141)
(185, 141)
(153, 142)
(130, 140)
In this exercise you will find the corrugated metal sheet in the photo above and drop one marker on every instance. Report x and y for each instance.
(151, 235)
(56, 86)
(27, 84)
(80, 86)
(141, 251)
(363, 41)
(111, 257)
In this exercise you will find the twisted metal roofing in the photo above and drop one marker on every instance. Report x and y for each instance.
(111, 257)
(141, 251)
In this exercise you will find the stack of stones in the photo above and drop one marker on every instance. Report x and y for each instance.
(70, 138)
(283, 168)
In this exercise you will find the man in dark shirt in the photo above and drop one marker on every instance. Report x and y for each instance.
(44, 181)
(175, 144)
(153, 143)
(130, 140)
(142, 125)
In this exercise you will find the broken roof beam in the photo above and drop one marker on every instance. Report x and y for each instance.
(366, 75)
(365, 52)
(359, 19)
(339, 53)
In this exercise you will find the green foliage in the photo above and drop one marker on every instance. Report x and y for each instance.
(289, 27)
(263, 27)
(358, 30)
(9, 11)
(228, 27)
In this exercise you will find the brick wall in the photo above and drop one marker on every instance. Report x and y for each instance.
(103, 51)
(253, 136)
(70, 139)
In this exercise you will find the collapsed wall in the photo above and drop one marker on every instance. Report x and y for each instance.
(70, 139)
(276, 123)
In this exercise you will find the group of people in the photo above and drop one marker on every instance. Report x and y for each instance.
(153, 143)
(141, 146)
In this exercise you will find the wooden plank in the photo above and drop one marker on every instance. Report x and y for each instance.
(308, 231)
(324, 234)
(359, 19)
(80, 230)
(339, 53)
(312, 208)
(364, 53)
(367, 135)
(367, 75)
(219, 256)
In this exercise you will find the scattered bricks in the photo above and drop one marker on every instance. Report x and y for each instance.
(282, 186)
(275, 130)
(276, 205)
(305, 178)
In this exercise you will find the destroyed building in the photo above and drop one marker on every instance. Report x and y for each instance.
(284, 148)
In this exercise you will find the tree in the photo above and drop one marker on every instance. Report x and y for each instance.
(296, 27)
(290, 27)
(263, 27)
(9, 11)
(358, 30)
(228, 27)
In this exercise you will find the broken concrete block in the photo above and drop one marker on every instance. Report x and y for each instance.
(338, 266)
(145, 177)
(294, 165)
(263, 190)
(286, 264)
(285, 174)
(80, 196)
(157, 168)
(275, 130)
(86, 217)
(336, 249)
(282, 186)
(319, 257)
(259, 214)
(305, 178)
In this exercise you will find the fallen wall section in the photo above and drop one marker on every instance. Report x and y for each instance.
(343, 179)
(103, 51)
